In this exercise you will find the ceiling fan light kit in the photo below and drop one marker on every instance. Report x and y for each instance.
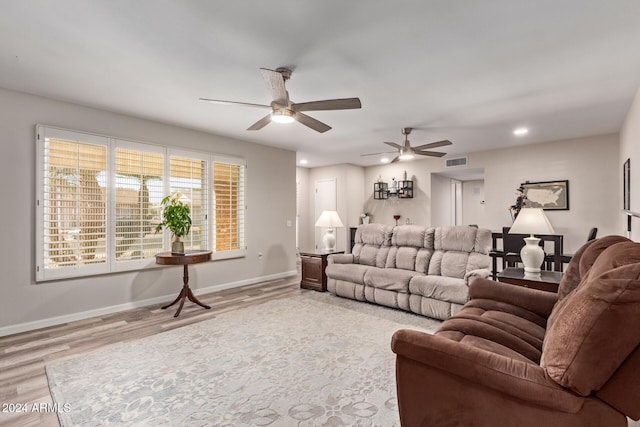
(407, 152)
(283, 110)
(282, 116)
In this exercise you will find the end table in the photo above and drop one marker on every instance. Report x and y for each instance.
(313, 265)
(190, 257)
(545, 281)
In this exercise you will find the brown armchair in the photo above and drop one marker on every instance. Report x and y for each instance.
(520, 357)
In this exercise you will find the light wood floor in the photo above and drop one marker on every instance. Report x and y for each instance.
(23, 356)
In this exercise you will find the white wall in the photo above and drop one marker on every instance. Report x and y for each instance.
(590, 165)
(440, 201)
(630, 149)
(305, 238)
(270, 187)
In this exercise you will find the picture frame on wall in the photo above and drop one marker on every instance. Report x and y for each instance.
(548, 195)
(626, 183)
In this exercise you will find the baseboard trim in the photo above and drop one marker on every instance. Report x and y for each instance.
(58, 320)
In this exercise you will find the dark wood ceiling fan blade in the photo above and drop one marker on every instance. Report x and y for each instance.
(395, 160)
(433, 145)
(394, 145)
(275, 83)
(314, 124)
(328, 104)
(375, 154)
(430, 153)
(247, 104)
(260, 123)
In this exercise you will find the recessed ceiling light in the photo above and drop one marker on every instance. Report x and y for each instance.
(304, 161)
(521, 131)
(384, 160)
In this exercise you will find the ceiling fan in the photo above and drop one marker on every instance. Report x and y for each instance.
(406, 151)
(283, 110)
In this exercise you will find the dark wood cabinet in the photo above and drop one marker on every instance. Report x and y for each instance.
(313, 267)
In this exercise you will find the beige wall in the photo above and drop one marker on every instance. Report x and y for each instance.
(588, 163)
(349, 201)
(270, 187)
(630, 149)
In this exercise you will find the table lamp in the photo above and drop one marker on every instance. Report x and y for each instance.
(532, 221)
(329, 219)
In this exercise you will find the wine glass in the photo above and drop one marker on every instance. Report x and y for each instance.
(396, 217)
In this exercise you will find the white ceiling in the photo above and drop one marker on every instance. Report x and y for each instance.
(466, 70)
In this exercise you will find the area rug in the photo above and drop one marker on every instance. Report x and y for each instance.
(311, 360)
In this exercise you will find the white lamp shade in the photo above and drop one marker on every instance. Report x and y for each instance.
(329, 219)
(531, 221)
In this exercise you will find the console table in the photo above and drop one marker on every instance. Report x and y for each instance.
(545, 281)
(313, 266)
(190, 257)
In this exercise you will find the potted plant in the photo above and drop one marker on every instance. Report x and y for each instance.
(176, 217)
(366, 217)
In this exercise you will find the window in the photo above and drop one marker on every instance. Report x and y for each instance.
(99, 203)
(189, 176)
(228, 192)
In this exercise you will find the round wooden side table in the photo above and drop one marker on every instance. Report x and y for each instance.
(190, 257)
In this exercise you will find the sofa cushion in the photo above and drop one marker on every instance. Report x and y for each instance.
(440, 288)
(409, 235)
(367, 254)
(487, 336)
(374, 234)
(390, 279)
(347, 272)
(462, 239)
(450, 264)
(459, 250)
(589, 328)
(582, 261)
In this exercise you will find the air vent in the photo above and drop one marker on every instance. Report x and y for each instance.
(460, 161)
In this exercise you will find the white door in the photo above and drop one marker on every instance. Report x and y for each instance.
(325, 200)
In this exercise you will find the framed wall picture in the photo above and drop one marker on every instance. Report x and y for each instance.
(548, 195)
(626, 183)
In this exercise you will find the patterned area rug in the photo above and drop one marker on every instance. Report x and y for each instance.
(312, 360)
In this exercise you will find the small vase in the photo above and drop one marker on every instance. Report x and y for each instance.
(177, 247)
(365, 220)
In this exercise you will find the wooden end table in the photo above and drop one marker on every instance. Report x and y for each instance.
(313, 265)
(190, 257)
(545, 281)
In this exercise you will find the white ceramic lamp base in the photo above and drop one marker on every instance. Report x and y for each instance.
(532, 255)
(329, 240)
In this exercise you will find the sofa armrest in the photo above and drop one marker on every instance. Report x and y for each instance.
(536, 301)
(471, 367)
(475, 274)
(340, 259)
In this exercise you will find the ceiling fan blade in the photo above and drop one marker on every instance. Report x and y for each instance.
(395, 160)
(430, 153)
(328, 104)
(375, 154)
(394, 145)
(275, 84)
(218, 101)
(433, 145)
(312, 123)
(260, 123)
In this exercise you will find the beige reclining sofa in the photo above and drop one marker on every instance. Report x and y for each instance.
(420, 269)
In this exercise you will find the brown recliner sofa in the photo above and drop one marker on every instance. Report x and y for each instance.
(521, 357)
